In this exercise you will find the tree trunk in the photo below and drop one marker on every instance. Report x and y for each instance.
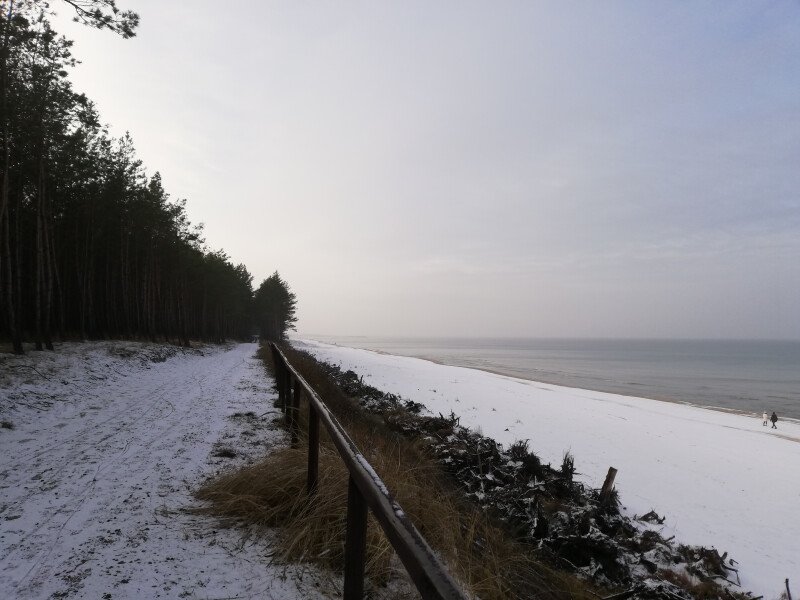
(58, 286)
(39, 262)
(123, 283)
(15, 281)
(5, 229)
(13, 317)
(4, 116)
(111, 321)
(48, 270)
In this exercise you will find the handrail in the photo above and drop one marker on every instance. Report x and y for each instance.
(365, 490)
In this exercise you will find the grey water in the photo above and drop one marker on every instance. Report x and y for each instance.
(742, 375)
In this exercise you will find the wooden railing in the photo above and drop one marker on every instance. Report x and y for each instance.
(366, 492)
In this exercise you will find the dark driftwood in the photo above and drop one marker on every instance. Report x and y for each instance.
(652, 517)
(608, 485)
(623, 595)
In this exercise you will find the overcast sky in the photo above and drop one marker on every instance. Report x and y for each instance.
(595, 169)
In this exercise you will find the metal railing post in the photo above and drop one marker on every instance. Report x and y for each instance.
(355, 547)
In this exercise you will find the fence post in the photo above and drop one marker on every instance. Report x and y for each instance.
(313, 449)
(290, 403)
(295, 413)
(284, 392)
(287, 389)
(280, 374)
(276, 361)
(355, 547)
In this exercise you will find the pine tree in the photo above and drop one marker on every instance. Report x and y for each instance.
(274, 308)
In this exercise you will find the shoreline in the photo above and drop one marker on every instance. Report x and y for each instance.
(721, 409)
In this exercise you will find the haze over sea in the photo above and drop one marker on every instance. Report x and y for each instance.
(743, 375)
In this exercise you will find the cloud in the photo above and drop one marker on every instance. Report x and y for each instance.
(531, 168)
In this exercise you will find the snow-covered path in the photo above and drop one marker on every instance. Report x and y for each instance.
(109, 440)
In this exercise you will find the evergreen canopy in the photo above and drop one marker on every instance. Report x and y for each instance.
(274, 308)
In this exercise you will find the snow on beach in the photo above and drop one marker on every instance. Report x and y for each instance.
(721, 479)
(108, 442)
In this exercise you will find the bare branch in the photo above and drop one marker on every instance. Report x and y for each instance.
(104, 14)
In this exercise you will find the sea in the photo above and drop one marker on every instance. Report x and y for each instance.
(748, 376)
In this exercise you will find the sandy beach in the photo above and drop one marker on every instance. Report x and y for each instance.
(720, 478)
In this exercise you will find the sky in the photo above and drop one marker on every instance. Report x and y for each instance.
(546, 169)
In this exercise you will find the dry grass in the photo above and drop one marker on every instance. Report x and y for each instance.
(701, 590)
(480, 554)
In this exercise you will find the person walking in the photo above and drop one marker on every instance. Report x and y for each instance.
(766, 418)
(774, 419)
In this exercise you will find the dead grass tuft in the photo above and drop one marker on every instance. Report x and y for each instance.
(272, 493)
(699, 589)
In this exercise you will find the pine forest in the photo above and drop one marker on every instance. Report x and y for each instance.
(91, 245)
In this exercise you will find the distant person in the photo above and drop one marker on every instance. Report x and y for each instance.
(774, 419)
(766, 418)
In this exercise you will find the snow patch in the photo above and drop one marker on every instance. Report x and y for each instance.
(109, 441)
